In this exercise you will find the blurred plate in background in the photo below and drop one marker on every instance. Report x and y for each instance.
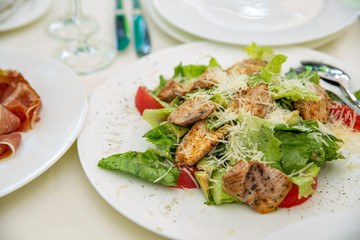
(266, 22)
(27, 12)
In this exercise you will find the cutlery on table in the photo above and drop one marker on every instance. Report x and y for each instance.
(122, 32)
(333, 75)
(334, 89)
(141, 34)
(337, 92)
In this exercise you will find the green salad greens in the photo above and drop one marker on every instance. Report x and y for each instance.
(282, 139)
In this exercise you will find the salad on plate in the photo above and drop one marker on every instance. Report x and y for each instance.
(245, 134)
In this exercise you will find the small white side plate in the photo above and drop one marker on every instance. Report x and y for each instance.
(61, 118)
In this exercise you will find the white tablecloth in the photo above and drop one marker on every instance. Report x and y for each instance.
(61, 203)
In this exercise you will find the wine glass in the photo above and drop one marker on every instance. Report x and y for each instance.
(66, 28)
(82, 54)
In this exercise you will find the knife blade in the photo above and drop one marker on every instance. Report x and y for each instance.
(122, 32)
(141, 34)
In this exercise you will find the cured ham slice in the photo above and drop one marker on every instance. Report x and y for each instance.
(21, 99)
(19, 110)
(8, 145)
(9, 122)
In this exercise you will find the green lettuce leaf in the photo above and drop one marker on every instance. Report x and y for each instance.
(255, 51)
(217, 194)
(292, 90)
(156, 116)
(309, 75)
(147, 165)
(357, 94)
(164, 141)
(186, 73)
(254, 133)
(268, 73)
(274, 65)
(301, 148)
(305, 180)
(162, 83)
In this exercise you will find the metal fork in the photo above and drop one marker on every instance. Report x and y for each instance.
(337, 92)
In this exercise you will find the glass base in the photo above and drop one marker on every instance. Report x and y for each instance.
(66, 29)
(88, 57)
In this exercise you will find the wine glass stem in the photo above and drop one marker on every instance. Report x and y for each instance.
(77, 17)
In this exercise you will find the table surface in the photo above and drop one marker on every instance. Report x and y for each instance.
(61, 203)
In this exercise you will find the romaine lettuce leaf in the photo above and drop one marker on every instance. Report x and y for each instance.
(301, 148)
(162, 83)
(255, 51)
(305, 180)
(309, 75)
(275, 64)
(156, 116)
(146, 165)
(292, 90)
(164, 141)
(217, 194)
(184, 74)
(253, 137)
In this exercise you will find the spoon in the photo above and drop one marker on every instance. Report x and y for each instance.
(333, 74)
(336, 90)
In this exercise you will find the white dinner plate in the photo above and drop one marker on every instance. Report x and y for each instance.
(113, 125)
(64, 105)
(167, 27)
(344, 226)
(186, 37)
(266, 22)
(27, 12)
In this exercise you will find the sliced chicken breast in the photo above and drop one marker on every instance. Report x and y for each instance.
(248, 66)
(198, 142)
(191, 111)
(315, 110)
(171, 90)
(257, 101)
(257, 184)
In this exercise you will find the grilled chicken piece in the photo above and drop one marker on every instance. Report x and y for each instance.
(191, 111)
(257, 184)
(198, 142)
(207, 79)
(256, 100)
(248, 66)
(315, 110)
(171, 90)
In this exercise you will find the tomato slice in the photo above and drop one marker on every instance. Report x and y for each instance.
(292, 198)
(350, 117)
(187, 178)
(144, 100)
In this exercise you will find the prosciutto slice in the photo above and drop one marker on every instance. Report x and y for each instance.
(21, 99)
(19, 110)
(8, 145)
(9, 122)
